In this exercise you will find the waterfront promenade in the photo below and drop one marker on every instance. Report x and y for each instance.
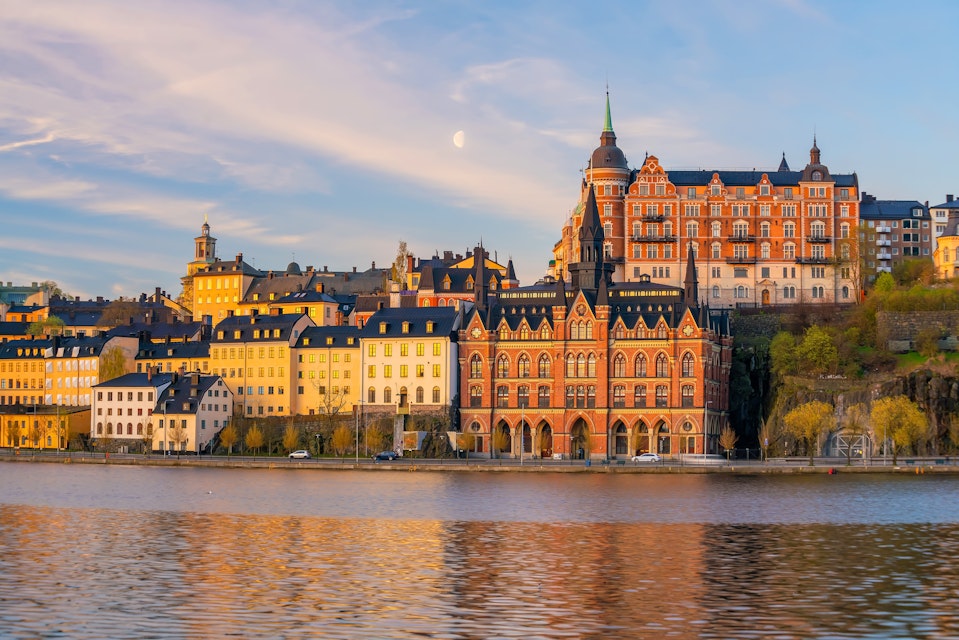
(712, 465)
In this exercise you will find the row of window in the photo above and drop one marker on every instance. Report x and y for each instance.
(404, 350)
(581, 396)
(387, 395)
(584, 366)
(404, 371)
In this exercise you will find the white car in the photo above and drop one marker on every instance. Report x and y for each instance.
(647, 457)
(302, 454)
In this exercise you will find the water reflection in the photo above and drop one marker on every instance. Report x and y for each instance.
(94, 572)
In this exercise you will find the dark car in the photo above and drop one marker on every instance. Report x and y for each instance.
(385, 455)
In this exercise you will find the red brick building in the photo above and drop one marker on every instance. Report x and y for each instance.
(593, 368)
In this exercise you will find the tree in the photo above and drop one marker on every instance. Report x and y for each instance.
(147, 438)
(808, 422)
(52, 326)
(782, 353)
(501, 440)
(14, 432)
(253, 438)
(854, 427)
(728, 439)
(53, 289)
(900, 420)
(176, 431)
(228, 437)
(119, 312)
(816, 353)
(114, 364)
(465, 441)
(377, 436)
(342, 439)
(399, 264)
(291, 438)
(765, 436)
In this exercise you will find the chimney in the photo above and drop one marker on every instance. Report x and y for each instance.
(374, 265)
(948, 197)
(325, 268)
(149, 374)
(239, 259)
(274, 311)
(320, 288)
(354, 269)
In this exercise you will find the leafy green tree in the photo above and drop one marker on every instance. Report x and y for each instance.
(253, 438)
(817, 354)
(899, 420)
(51, 326)
(808, 422)
(782, 353)
(884, 283)
(229, 437)
(53, 289)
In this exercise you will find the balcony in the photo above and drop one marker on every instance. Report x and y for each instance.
(652, 218)
(883, 243)
(654, 238)
(882, 229)
(741, 237)
(884, 256)
(741, 260)
(816, 260)
(818, 239)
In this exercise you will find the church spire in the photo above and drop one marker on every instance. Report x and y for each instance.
(608, 125)
(691, 282)
(814, 154)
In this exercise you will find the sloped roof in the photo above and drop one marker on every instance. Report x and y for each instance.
(444, 319)
(891, 210)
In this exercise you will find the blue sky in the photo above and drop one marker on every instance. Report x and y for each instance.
(323, 131)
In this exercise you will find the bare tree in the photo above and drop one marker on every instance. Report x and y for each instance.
(765, 437)
(114, 364)
(399, 264)
(176, 433)
(728, 440)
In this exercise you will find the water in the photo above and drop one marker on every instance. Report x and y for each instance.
(143, 552)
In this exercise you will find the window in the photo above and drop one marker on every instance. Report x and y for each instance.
(371, 395)
(688, 395)
(662, 366)
(662, 396)
(639, 396)
(619, 366)
(523, 366)
(436, 395)
(476, 366)
(476, 396)
(387, 395)
(502, 367)
(688, 363)
(641, 366)
(543, 397)
(544, 368)
(419, 395)
(619, 396)
(502, 396)
(522, 396)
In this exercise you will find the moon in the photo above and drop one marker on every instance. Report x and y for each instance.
(459, 139)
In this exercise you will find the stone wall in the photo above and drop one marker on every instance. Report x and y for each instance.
(900, 328)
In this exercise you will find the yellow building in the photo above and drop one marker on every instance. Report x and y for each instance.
(946, 255)
(253, 356)
(22, 372)
(174, 356)
(75, 365)
(327, 363)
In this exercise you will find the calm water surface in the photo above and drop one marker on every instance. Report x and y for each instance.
(132, 552)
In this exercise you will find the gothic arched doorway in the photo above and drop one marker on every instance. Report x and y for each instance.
(621, 444)
(545, 440)
(502, 440)
(663, 445)
(579, 440)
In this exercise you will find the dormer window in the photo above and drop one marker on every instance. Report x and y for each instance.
(446, 283)
(276, 333)
(430, 325)
(306, 342)
(329, 340)
(817, 176)
(383, 327)
(406, 327)
(350, 340)
(256, 334)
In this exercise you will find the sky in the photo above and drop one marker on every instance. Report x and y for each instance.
(325, 132)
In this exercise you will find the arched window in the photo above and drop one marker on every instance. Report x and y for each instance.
(639, 396)
(641, 365)
(688, 368)
(504, 332)
(502, 396)
(591, 366)
(524, 333)
(620, 333)
(619, 366)
(589, 330)
(715, 290)
(619, 396)
(580, 397)
(590, 397)
(544, 368)
(476, 396)
(845, 292)
(523, 366)
(522, 395)
(570, 397)
(502, 367)
(419, 395)
(476, 366)
(543, 401)
(573, 331)
(387, 395)
(571, 366)
(688, 394)
(581, 366)
(371, 395)
(662, 366)
(662, 396)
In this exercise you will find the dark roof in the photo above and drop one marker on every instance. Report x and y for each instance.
(231, 266)
(174, 350)
(891, 210)
(340, 336)
(247, 324)
(138, 380)
(751, 178)
(159, 331)
(950, 204)
(309, 295)
(184, 395)
(13, 328)
(10, 348)
(417, 317)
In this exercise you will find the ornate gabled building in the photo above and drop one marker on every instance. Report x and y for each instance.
(759, 237)
(447, 281)
(594, 368)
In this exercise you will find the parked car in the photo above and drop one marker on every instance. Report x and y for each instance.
(385, 455)
(647, 457)
(301, 454)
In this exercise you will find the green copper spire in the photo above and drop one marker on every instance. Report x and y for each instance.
(608, 125)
